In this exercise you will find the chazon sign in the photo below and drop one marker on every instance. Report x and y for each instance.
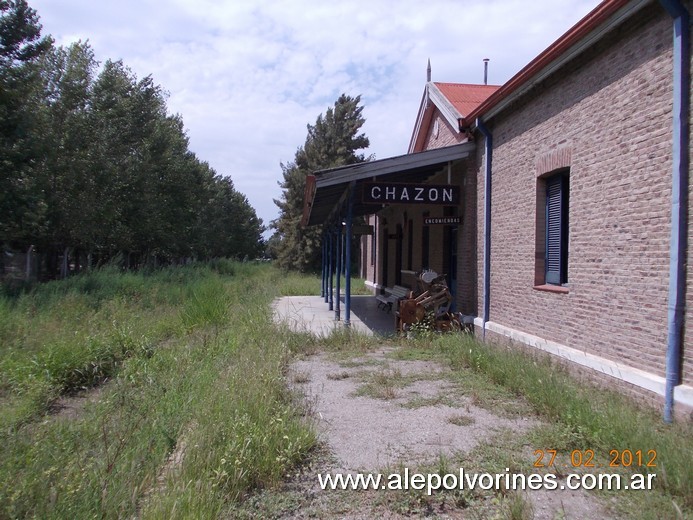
(402, 193)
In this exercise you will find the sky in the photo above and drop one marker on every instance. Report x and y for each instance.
(247, 76)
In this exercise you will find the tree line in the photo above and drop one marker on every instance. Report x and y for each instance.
(92, 165)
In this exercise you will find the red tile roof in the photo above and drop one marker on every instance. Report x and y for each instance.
(465, 97)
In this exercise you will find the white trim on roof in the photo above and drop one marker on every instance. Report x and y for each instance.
(432, 94)
(443, 104)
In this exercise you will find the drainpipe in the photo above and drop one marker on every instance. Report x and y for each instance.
(488, 148)
(679, 196)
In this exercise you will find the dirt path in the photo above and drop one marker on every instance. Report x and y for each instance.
(408, 415)
(378, 413)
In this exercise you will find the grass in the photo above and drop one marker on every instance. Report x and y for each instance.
(296, 284)
(172, 351)
(581, 418)
(193, 413)
(384, 383)
(462, 420)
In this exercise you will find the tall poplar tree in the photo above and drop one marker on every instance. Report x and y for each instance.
(22, 204)
(94, 169)
(334, 140)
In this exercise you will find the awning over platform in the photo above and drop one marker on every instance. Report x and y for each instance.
(328, 191)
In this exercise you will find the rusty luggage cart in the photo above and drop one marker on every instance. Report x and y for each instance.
(431, 303)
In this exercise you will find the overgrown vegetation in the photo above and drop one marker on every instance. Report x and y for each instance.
(192, 412)
(332, 141)
(582, 418)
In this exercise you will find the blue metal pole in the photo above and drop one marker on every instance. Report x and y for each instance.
(339, 273)
(322, 266)
(331, 247)
(679, 196)
(344, 261)
(347, 255)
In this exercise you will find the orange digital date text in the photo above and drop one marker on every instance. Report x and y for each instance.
(586, 458)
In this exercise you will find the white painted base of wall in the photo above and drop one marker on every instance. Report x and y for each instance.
(374, 286)
(683, 394)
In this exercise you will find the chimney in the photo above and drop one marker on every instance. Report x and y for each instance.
(486, 60)
(428, 71)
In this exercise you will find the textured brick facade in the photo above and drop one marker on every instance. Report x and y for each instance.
(440, 133)
(607, 117)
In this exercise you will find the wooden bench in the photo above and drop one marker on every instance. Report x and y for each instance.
(392, 296)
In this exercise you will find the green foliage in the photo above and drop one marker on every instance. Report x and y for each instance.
(93, 165)
(195, 412)
(600, 421)
(207, 304)
(332, 141)
(22, 199)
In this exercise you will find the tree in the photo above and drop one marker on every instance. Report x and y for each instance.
(68, 79)
(91, 162)
(22, 201)
(231, 227)
(332, 141)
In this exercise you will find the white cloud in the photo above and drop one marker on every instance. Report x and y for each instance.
(247, 76)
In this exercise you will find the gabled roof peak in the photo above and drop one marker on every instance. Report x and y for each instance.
(453, 100)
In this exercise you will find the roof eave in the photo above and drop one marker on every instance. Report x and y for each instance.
(336, 182)
(370, 169)
(421, 118)
(308, 198)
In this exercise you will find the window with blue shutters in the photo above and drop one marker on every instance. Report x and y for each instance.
(557, 198)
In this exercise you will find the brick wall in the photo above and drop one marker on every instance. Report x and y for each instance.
(446, 135)
(607, 116)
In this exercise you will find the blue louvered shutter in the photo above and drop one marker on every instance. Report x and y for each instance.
(554, 230)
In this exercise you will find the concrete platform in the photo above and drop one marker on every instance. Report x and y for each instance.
(312, 314)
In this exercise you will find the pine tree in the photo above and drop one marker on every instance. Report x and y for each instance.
(332, 141)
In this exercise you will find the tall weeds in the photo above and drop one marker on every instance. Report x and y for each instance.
(598, 420)
(192, 409)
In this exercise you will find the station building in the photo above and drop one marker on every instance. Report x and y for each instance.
(556, 204)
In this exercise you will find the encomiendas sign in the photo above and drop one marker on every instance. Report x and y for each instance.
(400, 193)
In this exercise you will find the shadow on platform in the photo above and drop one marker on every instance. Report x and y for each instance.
(312, 314)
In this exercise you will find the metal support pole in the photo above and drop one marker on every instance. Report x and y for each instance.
(323, 271)
(347, 255)
(331, 269)
(337, 309)
(344, 258)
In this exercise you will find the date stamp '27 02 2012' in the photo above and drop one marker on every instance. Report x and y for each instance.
(587, 459)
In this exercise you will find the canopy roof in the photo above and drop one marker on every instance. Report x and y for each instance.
(328, 191)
